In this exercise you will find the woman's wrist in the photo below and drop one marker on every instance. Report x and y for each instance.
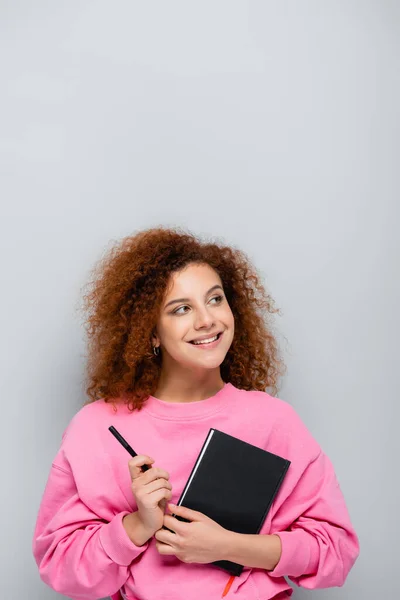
(137, 532)
(260, 551)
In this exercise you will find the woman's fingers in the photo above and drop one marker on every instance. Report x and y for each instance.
(137, 462)
(150, 499)
(147, 476)
(154, 473)
(146, 494)
(162, 494)
(151, 490)
(157, 485)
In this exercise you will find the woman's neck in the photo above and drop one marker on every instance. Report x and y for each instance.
(178, 390)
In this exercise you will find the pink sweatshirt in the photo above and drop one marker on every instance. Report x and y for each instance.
(83, 551)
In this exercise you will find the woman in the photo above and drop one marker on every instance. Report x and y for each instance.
(179, 342)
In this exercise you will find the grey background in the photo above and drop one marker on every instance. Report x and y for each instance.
(272, 125)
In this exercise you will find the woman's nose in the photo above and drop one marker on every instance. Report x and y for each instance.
(203, 319)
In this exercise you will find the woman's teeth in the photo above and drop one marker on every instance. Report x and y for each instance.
(208, 341)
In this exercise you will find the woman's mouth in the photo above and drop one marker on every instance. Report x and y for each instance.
(208, 345)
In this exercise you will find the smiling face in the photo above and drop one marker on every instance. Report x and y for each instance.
(194, 307)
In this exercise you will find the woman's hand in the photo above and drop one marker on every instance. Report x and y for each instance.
(151, 490)
(200, 541)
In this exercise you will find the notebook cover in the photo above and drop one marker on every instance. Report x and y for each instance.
(234, 483)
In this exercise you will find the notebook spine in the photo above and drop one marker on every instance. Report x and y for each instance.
(199, 457)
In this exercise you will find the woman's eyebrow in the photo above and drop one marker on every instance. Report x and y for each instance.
(188, 299)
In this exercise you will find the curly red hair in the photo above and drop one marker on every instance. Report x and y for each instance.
(125, 295)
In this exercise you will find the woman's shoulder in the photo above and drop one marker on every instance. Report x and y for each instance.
(87, 432)
(285, 425)
(91, 418)
(263, 402)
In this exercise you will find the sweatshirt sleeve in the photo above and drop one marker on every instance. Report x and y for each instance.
(79, 554)
(319, 544)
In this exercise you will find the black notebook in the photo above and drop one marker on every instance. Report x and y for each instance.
(234, 483)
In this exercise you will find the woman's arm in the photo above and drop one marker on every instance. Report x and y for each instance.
(312, 541)
(135, 529)
(260, 551)
(319, 543)
(79, 554)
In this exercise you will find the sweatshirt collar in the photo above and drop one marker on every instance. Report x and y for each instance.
(188, 410)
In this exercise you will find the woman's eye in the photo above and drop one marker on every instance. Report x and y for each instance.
(176, 312)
